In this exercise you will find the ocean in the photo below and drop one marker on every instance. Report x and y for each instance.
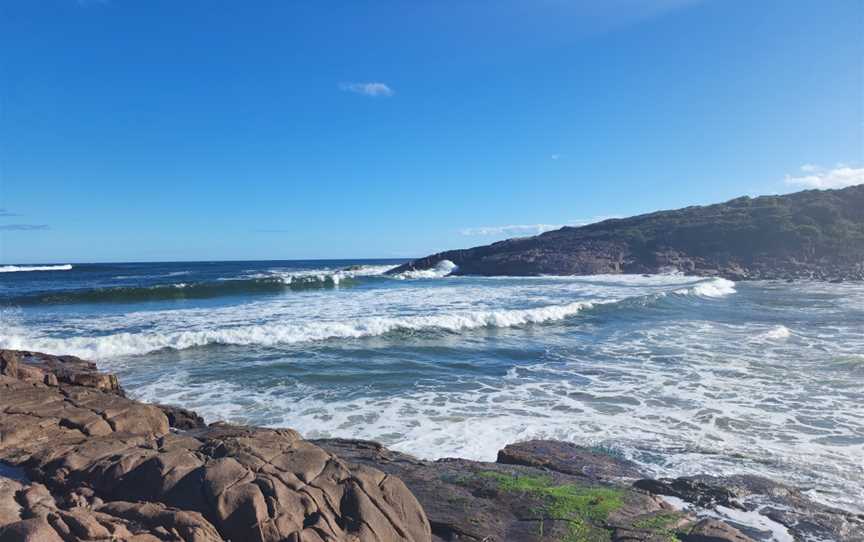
(684, 375)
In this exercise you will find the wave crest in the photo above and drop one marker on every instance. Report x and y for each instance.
(441, 269)
(276, 333)
(22, 268)
(716, 287)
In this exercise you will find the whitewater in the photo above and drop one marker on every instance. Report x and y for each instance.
(684, 375)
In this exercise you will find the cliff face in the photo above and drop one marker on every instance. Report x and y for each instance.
(813, 234)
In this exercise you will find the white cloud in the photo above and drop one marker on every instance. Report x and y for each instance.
(840, 176)
(367, 89)
(526, 229)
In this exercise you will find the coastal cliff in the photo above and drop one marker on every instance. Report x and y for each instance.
(815, 234)
(79, 461)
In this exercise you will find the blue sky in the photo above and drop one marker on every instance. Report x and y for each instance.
(186, 130)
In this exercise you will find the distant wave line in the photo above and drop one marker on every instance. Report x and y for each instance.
(22, 268)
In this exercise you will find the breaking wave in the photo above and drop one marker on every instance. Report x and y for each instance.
(716, 287)
(777, 333)
(272, 333)
(276, 333)
(326, 277)
(441, 269)
(22, 268)
(262, 283)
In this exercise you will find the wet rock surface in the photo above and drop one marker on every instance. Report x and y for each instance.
(766, 503)
(79, 462)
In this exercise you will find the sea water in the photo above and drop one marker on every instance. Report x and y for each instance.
(684, 375)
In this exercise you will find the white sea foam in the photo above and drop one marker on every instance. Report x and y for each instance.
(275, 333)
(321, 317)
(22, 268)
(768, 528)
(324, 276)
(777, 333)
(716, 287)
(441, 269)
(668, 380)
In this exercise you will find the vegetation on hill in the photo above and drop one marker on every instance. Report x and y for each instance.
(812, 234)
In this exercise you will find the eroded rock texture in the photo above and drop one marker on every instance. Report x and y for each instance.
(102, 467)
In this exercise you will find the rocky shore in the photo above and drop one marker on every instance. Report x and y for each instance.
(810, 235)
(79, 461)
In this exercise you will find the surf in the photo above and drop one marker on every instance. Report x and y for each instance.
(276, 333)
(25, 268)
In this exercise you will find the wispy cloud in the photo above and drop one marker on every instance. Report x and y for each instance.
(526, 229)
(367, 89)
(555, 156)
(813, 176)
(23, 227)
(6, 212)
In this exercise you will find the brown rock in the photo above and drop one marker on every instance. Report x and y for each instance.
(10, 509)
(181, 418)
(190, 526)
(114, 469)
(29, 530)
(569, 459)
(9, 361)
(711, 530)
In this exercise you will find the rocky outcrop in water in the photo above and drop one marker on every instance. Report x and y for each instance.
(81, 462)
(549, 490)
(807, 235)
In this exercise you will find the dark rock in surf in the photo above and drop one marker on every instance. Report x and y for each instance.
(804, 518)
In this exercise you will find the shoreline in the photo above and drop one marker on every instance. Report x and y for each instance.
(98, 464)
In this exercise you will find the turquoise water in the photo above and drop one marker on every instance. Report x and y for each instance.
(684, 375)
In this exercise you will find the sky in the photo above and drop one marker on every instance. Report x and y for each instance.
(217, 129)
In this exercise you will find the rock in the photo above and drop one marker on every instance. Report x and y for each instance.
(803, 518)
(108, 466)
(569, 459)
(10, 509)
(187, 525)
(29, 530)
(711, 530)
(181, 418)
(52, 370)
(470, 500)
(9, 362)
(95, 465)
(691, 490)
(815, 234)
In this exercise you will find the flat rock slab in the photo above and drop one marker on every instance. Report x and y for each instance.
(569, 458)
